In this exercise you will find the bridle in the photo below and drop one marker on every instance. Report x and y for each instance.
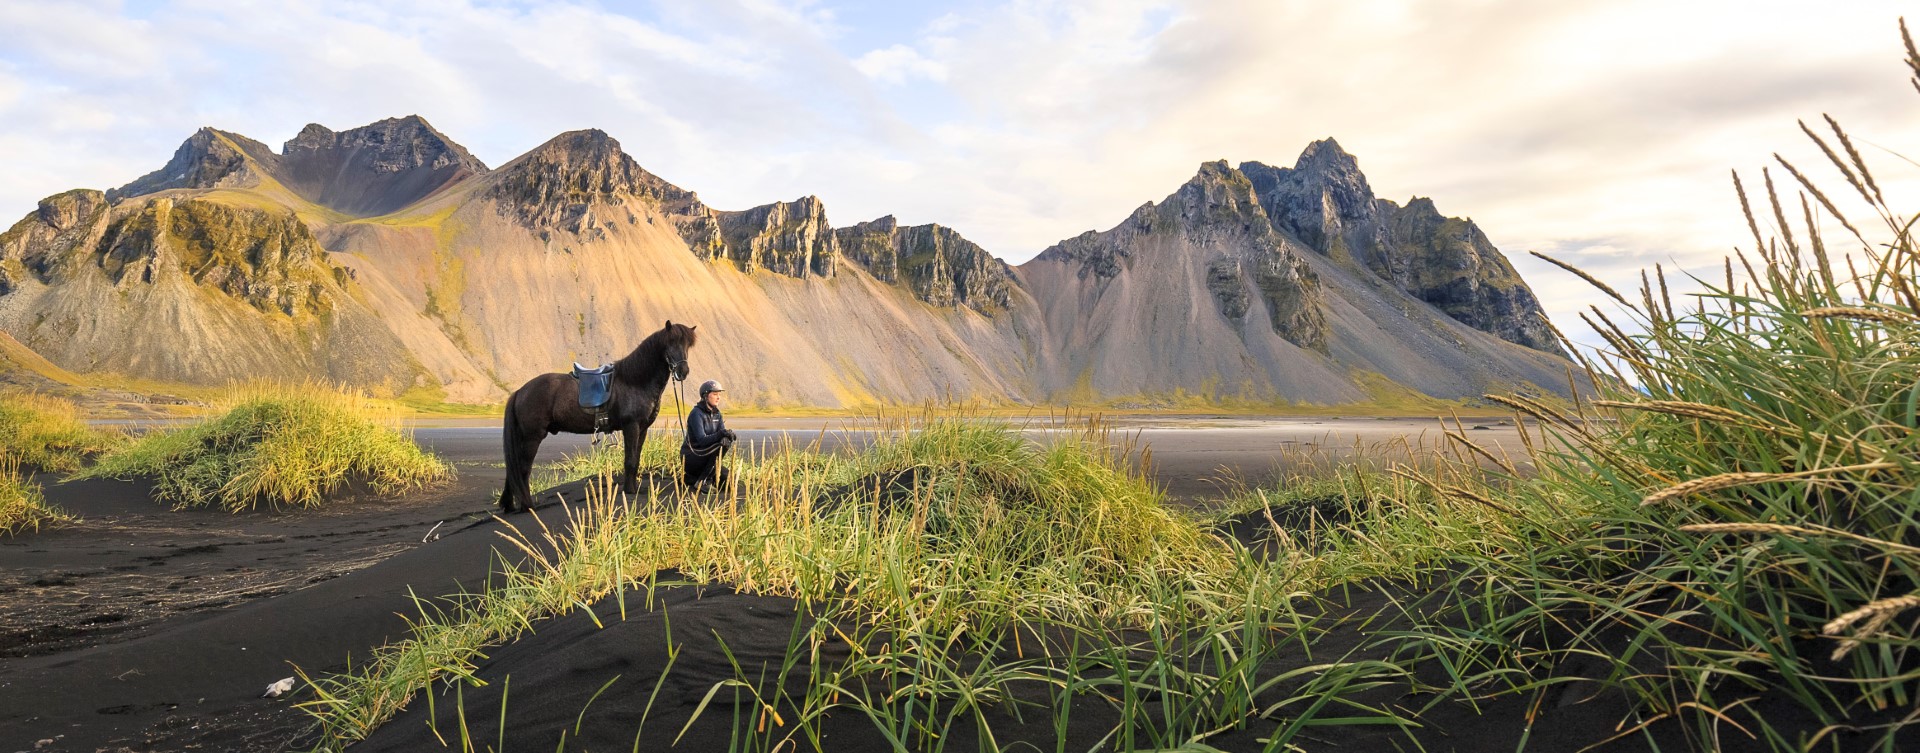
(674, 372)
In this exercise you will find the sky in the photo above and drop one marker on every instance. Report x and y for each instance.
(1601, 133)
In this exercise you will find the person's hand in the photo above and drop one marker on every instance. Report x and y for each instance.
(728, 433)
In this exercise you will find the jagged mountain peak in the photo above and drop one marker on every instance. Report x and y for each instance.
(371, 170)
(883, 224)
(1217, 169)
(792, 238)
(1325, 167)
(1216, 197)
(1424, 208)
(1212, 228)
(1212, 177)
(555, 185)
(1325, 202)
(1217, 192)
(586, 146)
(311, 133)
(589, 161)
(210, 158)
(1324, 192)
(1325, 155)
(935, 262)
(377, 168)
(410, 137)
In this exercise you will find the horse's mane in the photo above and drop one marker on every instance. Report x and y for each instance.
(652, 352)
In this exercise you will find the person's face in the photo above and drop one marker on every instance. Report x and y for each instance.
(713, 399)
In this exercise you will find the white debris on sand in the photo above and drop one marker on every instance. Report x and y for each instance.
(274, 690)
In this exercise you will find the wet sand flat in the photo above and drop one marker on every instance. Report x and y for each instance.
(1193, 457)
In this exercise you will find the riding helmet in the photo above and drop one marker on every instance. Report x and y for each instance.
(710, 385)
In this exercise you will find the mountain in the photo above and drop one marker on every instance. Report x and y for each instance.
(374, 169)
(387, 256)
(191, 289)
(939, 266)
(574, 252)
(1207, 293)
(209, 159)
(1447, 262)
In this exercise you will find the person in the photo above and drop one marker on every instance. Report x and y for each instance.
(708, 440)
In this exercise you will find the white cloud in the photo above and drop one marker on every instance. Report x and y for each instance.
(11, 90)
(1601, 133)
(897, 64)
(88, 39)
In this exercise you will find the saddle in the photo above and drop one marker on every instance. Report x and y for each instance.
(595, 388)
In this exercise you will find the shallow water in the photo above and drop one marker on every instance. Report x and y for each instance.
(1193, 458)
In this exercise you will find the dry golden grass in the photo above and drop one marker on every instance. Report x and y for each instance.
(46, 431)
(288, 444)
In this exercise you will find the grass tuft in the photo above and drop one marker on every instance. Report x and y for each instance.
(46, 431)
(22, 507)
(292, 445)
(660, 456)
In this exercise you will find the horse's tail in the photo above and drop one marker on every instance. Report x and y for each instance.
(510, 445)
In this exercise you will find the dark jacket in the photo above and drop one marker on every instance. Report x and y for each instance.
(705, 429)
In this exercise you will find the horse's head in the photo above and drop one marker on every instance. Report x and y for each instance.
(678, 339)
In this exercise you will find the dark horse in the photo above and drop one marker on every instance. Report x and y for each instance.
(550, 404)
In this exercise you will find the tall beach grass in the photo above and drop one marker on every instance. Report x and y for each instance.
(47, 432)
(278, 445)
(964, 563)
(1735, 544)
(23, 506)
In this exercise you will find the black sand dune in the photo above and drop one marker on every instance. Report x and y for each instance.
(132, 564)
(195, 682)
(147, 628)
(586, 683)
(548, 682)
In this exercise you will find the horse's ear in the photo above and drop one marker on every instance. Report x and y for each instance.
(669, 324)
(692, 328)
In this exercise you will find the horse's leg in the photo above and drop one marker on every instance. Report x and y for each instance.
(523, 463)
(632, 438)
(521, 446)
(510, 449)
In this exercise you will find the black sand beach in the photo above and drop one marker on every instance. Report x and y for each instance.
(149, 629)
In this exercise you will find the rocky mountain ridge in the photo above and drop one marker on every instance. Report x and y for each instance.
(210, 158)
(374, 169)
(1324, 201)
(1217, 210)
(935, 262)
(395, 223)
(150, 287)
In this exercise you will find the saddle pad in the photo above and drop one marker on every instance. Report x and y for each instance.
(594, 385)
